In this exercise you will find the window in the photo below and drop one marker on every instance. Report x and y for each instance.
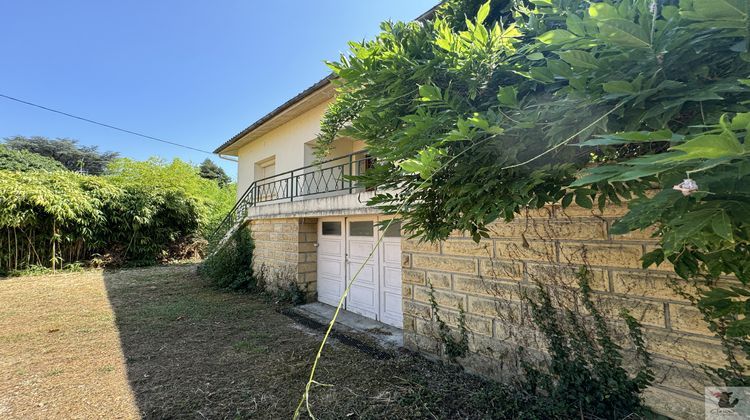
(364, 228)
(332, 228)
(265, 168)
(268, 189)
(393, 231)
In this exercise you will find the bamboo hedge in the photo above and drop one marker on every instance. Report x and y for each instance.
(139, 212)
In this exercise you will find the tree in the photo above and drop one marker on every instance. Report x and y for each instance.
(477, 122)
(86, 159)
(210, 170)
(568, 101)
(23, 161)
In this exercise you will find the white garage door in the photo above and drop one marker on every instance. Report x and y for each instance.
(344, 245)
(331, 255)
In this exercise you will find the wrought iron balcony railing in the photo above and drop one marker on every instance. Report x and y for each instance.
(326, 177)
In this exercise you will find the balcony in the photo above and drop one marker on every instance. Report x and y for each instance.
(329, 178)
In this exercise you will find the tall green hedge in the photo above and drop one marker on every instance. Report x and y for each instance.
(139, 212)
(212, 201)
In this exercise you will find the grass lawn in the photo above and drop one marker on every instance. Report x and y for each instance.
(160, 343)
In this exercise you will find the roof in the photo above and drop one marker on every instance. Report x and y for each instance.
(280, 109)
(326, 81)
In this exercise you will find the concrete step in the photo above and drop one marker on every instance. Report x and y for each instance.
(350, 325)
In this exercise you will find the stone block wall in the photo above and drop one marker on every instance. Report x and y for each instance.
(548, 245)
(285, 253)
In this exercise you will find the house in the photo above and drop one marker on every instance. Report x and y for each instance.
(311, 224)
(312, 228)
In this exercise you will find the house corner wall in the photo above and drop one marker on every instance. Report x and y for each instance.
(285, 254)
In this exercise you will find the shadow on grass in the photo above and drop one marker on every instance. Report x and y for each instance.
(193, 351)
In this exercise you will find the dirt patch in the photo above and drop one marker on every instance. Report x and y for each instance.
(187, 350)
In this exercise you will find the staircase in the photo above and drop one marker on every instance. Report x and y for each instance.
(232, 221)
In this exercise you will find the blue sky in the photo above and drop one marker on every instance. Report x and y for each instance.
(193, 72)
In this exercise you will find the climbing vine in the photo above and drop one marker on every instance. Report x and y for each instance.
(454, 347)
(585, 374)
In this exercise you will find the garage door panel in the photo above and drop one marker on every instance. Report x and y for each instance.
(331, 270)
(392, 253)
(363, 297)
(391, 309)
(342, 251)
(390, 280)
(333, 282)
(331, 267)
(360, 248)
(330, 247)
(366, 276)
(328, 291)
(392, 277)
(392, 302)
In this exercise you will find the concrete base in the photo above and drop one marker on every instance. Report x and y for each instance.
(386, 336)
(335, 204)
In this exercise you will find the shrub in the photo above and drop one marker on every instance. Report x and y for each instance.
(231, 266)
(47, 218)
(212, 201)
(280, 285)
(290, 294)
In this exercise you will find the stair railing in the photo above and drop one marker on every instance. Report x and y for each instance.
(329, 176)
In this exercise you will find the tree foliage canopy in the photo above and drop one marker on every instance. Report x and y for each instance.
(493, 96)
(66, 151)
(524, 104)
(210, 170)
(23, 161)
(511, 110)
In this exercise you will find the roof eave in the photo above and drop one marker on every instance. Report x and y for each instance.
(299, 97)
(276, 112)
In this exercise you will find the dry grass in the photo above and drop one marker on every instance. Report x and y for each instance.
(160, 343)
(60, 353)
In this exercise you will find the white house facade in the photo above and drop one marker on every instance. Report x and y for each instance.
(285, 184)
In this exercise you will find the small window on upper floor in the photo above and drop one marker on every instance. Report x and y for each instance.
(265, 168)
